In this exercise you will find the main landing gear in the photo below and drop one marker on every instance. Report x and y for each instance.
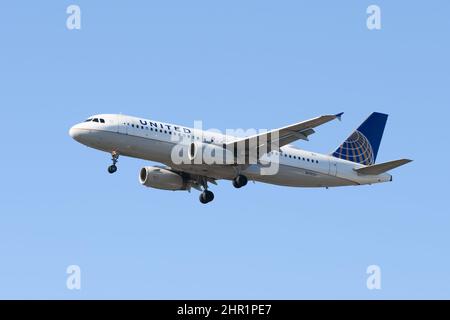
(240, 181)
(206, 196)
(115, 158)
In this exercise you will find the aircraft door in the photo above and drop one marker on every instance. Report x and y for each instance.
(121, 125)
(333, 167)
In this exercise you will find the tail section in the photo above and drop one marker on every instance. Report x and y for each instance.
(363, 144)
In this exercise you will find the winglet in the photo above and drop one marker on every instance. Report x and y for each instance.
(339, 116)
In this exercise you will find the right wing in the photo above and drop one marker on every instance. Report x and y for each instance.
(274, 139)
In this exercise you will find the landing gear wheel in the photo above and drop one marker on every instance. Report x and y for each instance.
(115, 158)
(209, 195)
(206, 196)
(240, 181)
(203, 198)
(112, 168)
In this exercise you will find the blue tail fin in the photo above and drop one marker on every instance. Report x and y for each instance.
(363, 144)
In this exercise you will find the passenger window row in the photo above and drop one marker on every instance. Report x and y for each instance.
(297, 157)
(164, 131)
(198, 138)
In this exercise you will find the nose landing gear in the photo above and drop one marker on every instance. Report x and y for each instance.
(115, 158)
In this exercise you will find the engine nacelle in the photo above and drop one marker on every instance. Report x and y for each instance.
(206, 153)
(161, 178)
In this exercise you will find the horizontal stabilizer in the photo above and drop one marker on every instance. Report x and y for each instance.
(382, 167)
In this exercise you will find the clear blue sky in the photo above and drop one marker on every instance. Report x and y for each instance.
(232, 64)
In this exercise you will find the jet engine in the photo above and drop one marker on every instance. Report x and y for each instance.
(206, 153)
(160, 178)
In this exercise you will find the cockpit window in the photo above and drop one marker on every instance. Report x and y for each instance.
(95, 120)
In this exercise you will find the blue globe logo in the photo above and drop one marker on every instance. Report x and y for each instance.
(357, 149)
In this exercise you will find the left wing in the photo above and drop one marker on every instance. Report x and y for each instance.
(274, 139)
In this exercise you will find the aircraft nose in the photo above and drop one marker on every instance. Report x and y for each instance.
(75, 132)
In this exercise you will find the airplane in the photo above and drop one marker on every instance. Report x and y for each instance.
(244, 158)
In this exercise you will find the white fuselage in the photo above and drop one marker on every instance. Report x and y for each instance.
(154, 141)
